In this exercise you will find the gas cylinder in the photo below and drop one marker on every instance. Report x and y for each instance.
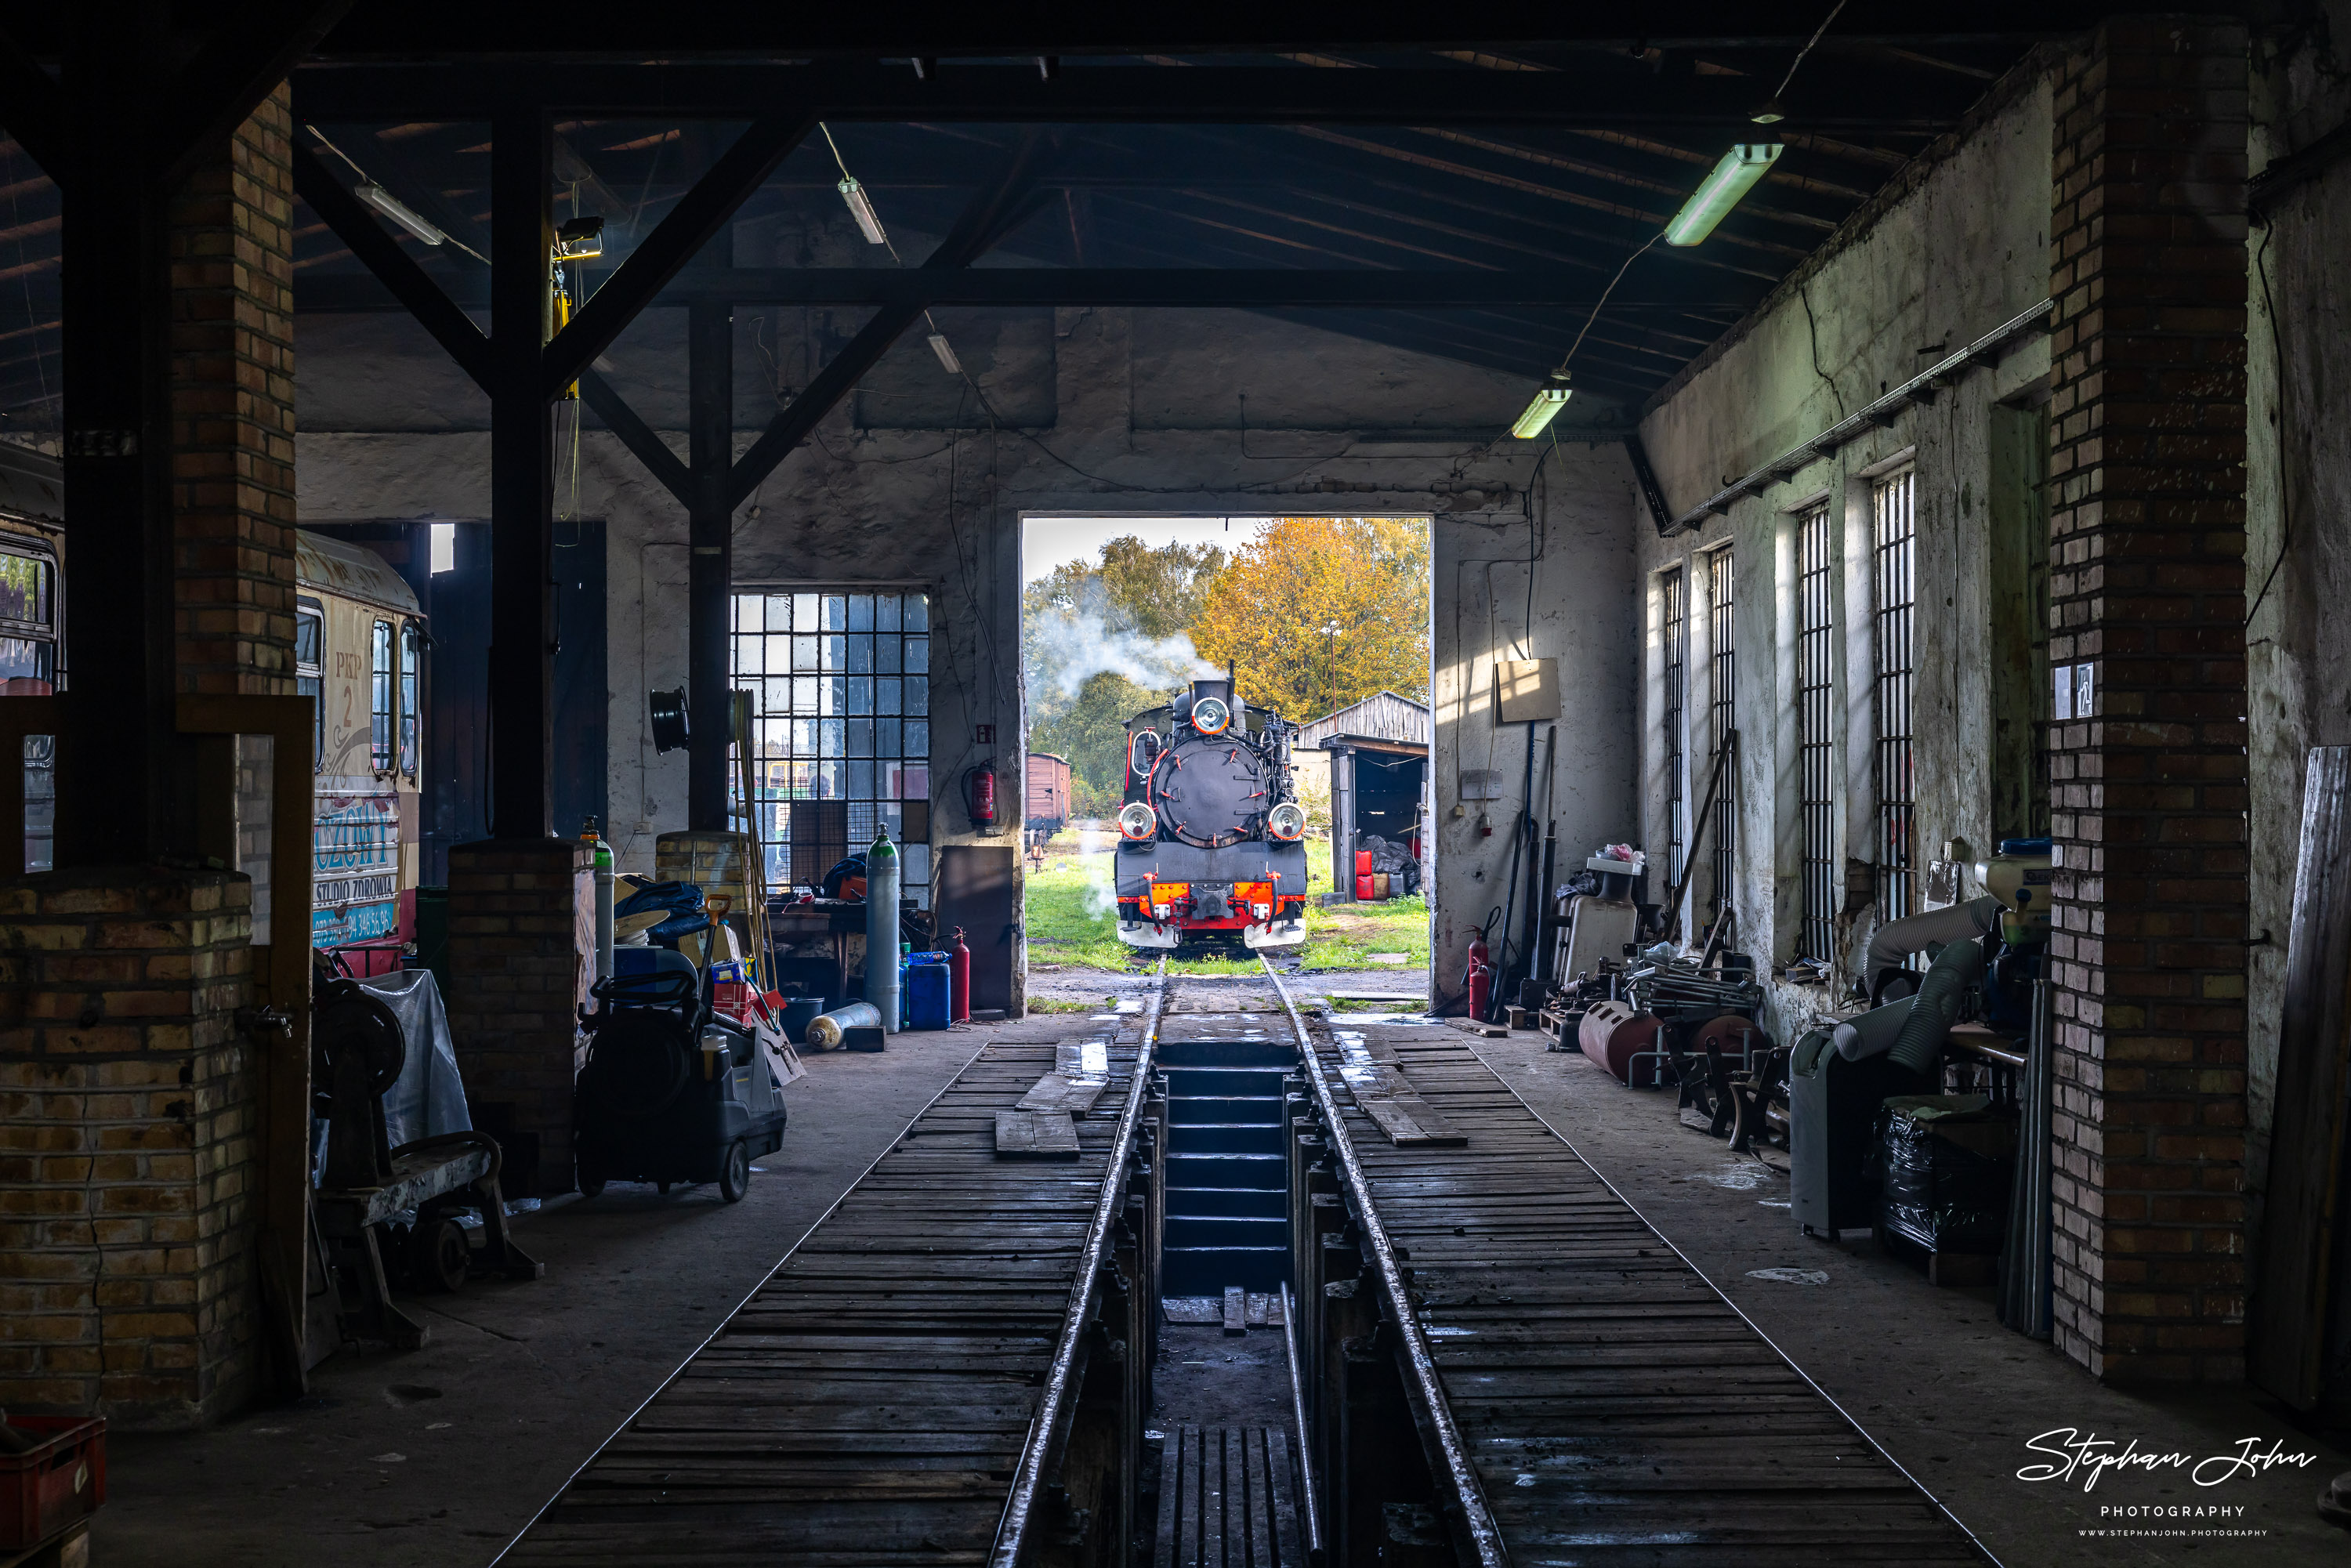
(958, 979)
(602, 857)
(882, 929)
(1481, 978)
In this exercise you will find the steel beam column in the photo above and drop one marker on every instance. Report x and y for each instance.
(710, 574)
(522, 469)
(1343, 824)
(117, 758)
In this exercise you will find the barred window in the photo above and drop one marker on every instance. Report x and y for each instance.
(1816, 733)
(1677, 694)
(841, 704)
(1893, 504)
(1721, 607)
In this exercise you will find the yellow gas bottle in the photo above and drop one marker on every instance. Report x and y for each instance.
(2019, 876)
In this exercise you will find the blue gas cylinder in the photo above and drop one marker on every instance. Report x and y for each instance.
(926, 995)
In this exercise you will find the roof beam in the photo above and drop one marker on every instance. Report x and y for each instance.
(243, 62)
(1128, 94)
(1172, 287)
(33, 108)
(409, 285)
(1077, 27)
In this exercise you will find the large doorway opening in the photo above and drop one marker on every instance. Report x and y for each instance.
(1317, 630)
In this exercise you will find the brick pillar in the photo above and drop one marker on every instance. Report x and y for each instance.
(233, 412)
(521, 914)
(2147, 547)
(127, 1146)
(132, 1137)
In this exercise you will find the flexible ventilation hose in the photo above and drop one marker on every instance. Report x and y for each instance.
(1955, 968)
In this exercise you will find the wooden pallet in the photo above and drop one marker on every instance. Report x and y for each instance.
(1617, 1408)
(867, 1406)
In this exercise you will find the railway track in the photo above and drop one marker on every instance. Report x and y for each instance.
(1485, 1354)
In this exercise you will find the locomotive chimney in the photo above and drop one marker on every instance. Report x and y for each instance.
(1215, 686)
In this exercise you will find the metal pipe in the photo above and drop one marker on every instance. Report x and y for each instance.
(1314, 1548)
(1028, 1475)
(1458, 1473)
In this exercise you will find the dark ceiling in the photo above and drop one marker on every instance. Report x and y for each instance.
(1626, 128)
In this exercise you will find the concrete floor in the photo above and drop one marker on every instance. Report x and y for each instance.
(435, 1459)
(1930, 1374)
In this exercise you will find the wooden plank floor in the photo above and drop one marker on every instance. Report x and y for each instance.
(868, 1404)
(1617, 1407)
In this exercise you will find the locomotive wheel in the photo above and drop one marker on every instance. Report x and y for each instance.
(735, 1172)
(438, 1257)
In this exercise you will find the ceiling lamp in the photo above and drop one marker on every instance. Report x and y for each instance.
(861, 208)
(945, 352)
(1732, 178)
(1546, 405)
(401, 212)
(1769, 114)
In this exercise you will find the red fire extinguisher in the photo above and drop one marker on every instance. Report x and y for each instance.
(1481, 978)
(979, 794)
(958, 979)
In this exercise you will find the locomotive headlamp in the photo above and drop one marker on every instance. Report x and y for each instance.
(1136, 820)
(1286, 821)
(1210, 715)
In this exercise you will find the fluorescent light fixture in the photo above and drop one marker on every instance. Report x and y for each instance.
(1769, 114)
(861, 209)
(945, 352)
(399, 212)
(1539, 413)
(1732, 178)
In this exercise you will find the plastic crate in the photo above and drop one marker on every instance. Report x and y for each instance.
(54, 1483)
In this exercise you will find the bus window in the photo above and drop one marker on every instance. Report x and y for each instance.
(310, 671)
(28, 646)
(411, 647)
(380, 699)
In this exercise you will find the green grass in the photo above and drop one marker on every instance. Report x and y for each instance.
(1062, 930)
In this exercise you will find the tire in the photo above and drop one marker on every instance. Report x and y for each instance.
(439, 1260)
(590, 1185)
(735, 1172)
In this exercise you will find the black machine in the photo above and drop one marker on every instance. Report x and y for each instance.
(377, 1204)
(1209, 836)
(673, 1092)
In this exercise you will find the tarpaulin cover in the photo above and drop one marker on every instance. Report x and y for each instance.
(682, 899)
(1948, 1161)
(429, 1098)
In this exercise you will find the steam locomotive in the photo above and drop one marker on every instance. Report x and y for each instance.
(1210, 837)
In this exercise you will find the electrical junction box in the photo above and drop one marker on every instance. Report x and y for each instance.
(1529, 689)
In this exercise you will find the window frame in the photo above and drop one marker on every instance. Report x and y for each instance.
(816, 724)
(383, 700)
(409, 695)
(310, 608)
(1894, 573)
(1722, 656)
(1673, 586)
(1816, 733)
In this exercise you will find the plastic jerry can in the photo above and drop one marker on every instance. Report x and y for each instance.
(927, 989)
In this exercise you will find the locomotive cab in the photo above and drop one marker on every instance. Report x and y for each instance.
(1211, 835)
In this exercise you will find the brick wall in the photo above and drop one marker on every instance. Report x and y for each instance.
(519, 963)
(2146, 556)
(127, 1146)
(233, 412)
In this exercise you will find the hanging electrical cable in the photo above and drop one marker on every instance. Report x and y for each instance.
(869, 222)
(1772, 113)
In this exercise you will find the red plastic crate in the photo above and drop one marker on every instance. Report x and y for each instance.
(59, 1480)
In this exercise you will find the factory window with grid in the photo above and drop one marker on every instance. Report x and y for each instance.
(1723, 653)
(1677, 669)
(1816, 733)
(1894, 536)
(840, 727)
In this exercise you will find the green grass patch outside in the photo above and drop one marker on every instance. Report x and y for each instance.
(1071, 921)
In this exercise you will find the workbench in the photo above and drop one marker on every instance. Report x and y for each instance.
(838, 918)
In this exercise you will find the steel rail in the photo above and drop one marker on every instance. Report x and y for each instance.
(1460, 1475)
(1028, 1475)
(1315, 1551)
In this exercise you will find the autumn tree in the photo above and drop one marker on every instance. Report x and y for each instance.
(1266, 613)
